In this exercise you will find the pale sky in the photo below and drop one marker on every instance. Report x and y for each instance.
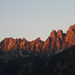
(31, 19)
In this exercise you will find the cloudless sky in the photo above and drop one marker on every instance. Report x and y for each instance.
(31, 19)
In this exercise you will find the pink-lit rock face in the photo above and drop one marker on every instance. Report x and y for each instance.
(55, 41)
(60, 34)
(70, 36)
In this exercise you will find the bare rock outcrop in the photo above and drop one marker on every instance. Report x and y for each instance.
(70, 36)
(56, 41)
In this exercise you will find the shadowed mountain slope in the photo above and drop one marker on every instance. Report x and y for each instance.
(67, 65)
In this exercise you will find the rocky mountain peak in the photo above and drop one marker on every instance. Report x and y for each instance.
(71, 29)
(60, 34)
(38, 39)
(55, 41)
(53, 34)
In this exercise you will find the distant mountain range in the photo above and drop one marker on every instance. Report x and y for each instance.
(55, 42)
(22, 57)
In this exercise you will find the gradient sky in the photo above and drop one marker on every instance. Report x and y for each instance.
(31, 19)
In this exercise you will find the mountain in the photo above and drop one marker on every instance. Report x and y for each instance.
(67, 65)
(59, 64)
(37, 57)
(56, 41)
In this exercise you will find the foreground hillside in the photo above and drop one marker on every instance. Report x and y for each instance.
(67, 65)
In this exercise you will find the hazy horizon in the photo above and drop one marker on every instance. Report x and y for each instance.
(37, 18)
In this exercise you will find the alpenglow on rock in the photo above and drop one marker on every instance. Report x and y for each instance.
(56, 41)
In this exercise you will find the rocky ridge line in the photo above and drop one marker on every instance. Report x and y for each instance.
(55, 42)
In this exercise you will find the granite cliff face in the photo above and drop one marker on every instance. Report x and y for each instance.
(56, 41)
